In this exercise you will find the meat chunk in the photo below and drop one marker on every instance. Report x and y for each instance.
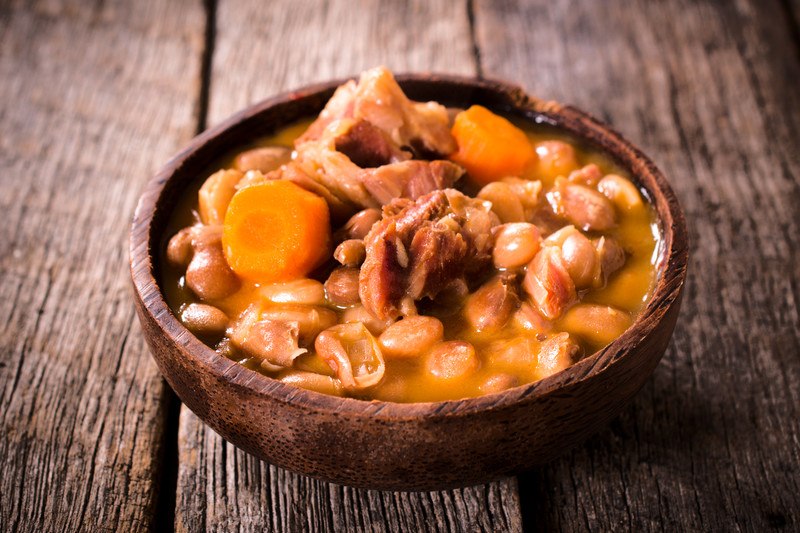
(333, 170)
(379, 100)
(549, 284)
(367, 146)
(410, 179)
(418, 248)
(425, 127)
(320, 168)
(340, 208)
(339, 106)
(436, 255)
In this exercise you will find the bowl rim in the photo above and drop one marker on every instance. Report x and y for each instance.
(672, 265)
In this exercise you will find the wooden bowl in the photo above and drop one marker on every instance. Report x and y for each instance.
(384, 445)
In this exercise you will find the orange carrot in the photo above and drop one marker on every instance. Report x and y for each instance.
(276, 231)
(489, 146)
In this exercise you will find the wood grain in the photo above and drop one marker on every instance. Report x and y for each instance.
(709, 90)
(92, 97)
(219, 487)
(293, 43)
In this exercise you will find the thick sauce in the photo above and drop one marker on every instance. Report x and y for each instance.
(504, 356)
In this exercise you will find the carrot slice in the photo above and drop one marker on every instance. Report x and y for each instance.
(276, 231)
(489, 146)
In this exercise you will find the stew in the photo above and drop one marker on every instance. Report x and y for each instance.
(403, 251)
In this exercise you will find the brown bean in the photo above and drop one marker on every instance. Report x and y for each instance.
(557, 353)
(359, 224)
(179, 248)
(558, 237)
(515, 244)
(203, 319)
(620, 191)
(411, 337)
(515, 353)
(528, 318)
(584, 207)
(498, 383)
(264, 159)
(588, 175)
(527, 191)
(342, 287)
(578, 255)
(206, 236)
(312, 381)
(393, 388)
(505, 204)
(310, 319)
(488, 309)
(301, 291)
(556, 158)
(351, 252)
(359, 313)
(452, 360)
(209, 276)
(599, 324)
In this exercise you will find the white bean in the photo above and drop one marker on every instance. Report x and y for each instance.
(452, 360)
(556, 158)
(578, 255)
(301, 291)
(411, 337)
(204, 319)
(505, 204)
(620, 191)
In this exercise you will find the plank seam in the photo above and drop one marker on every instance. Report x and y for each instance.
(206, 64)
(793, 22)
(476, 51)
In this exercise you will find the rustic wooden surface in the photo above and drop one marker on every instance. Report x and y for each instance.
(710, 90)
(93, 97)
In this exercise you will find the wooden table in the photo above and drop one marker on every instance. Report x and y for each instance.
(94, 96)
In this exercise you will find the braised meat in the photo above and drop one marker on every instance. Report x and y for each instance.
(410, 179)
(379, 100)
(417, 249)
(368, 146)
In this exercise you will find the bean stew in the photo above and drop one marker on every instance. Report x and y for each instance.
(403, 251)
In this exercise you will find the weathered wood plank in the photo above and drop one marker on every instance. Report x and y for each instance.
(261, 49)
(92, 96)
(710, 91)
(220, 488)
